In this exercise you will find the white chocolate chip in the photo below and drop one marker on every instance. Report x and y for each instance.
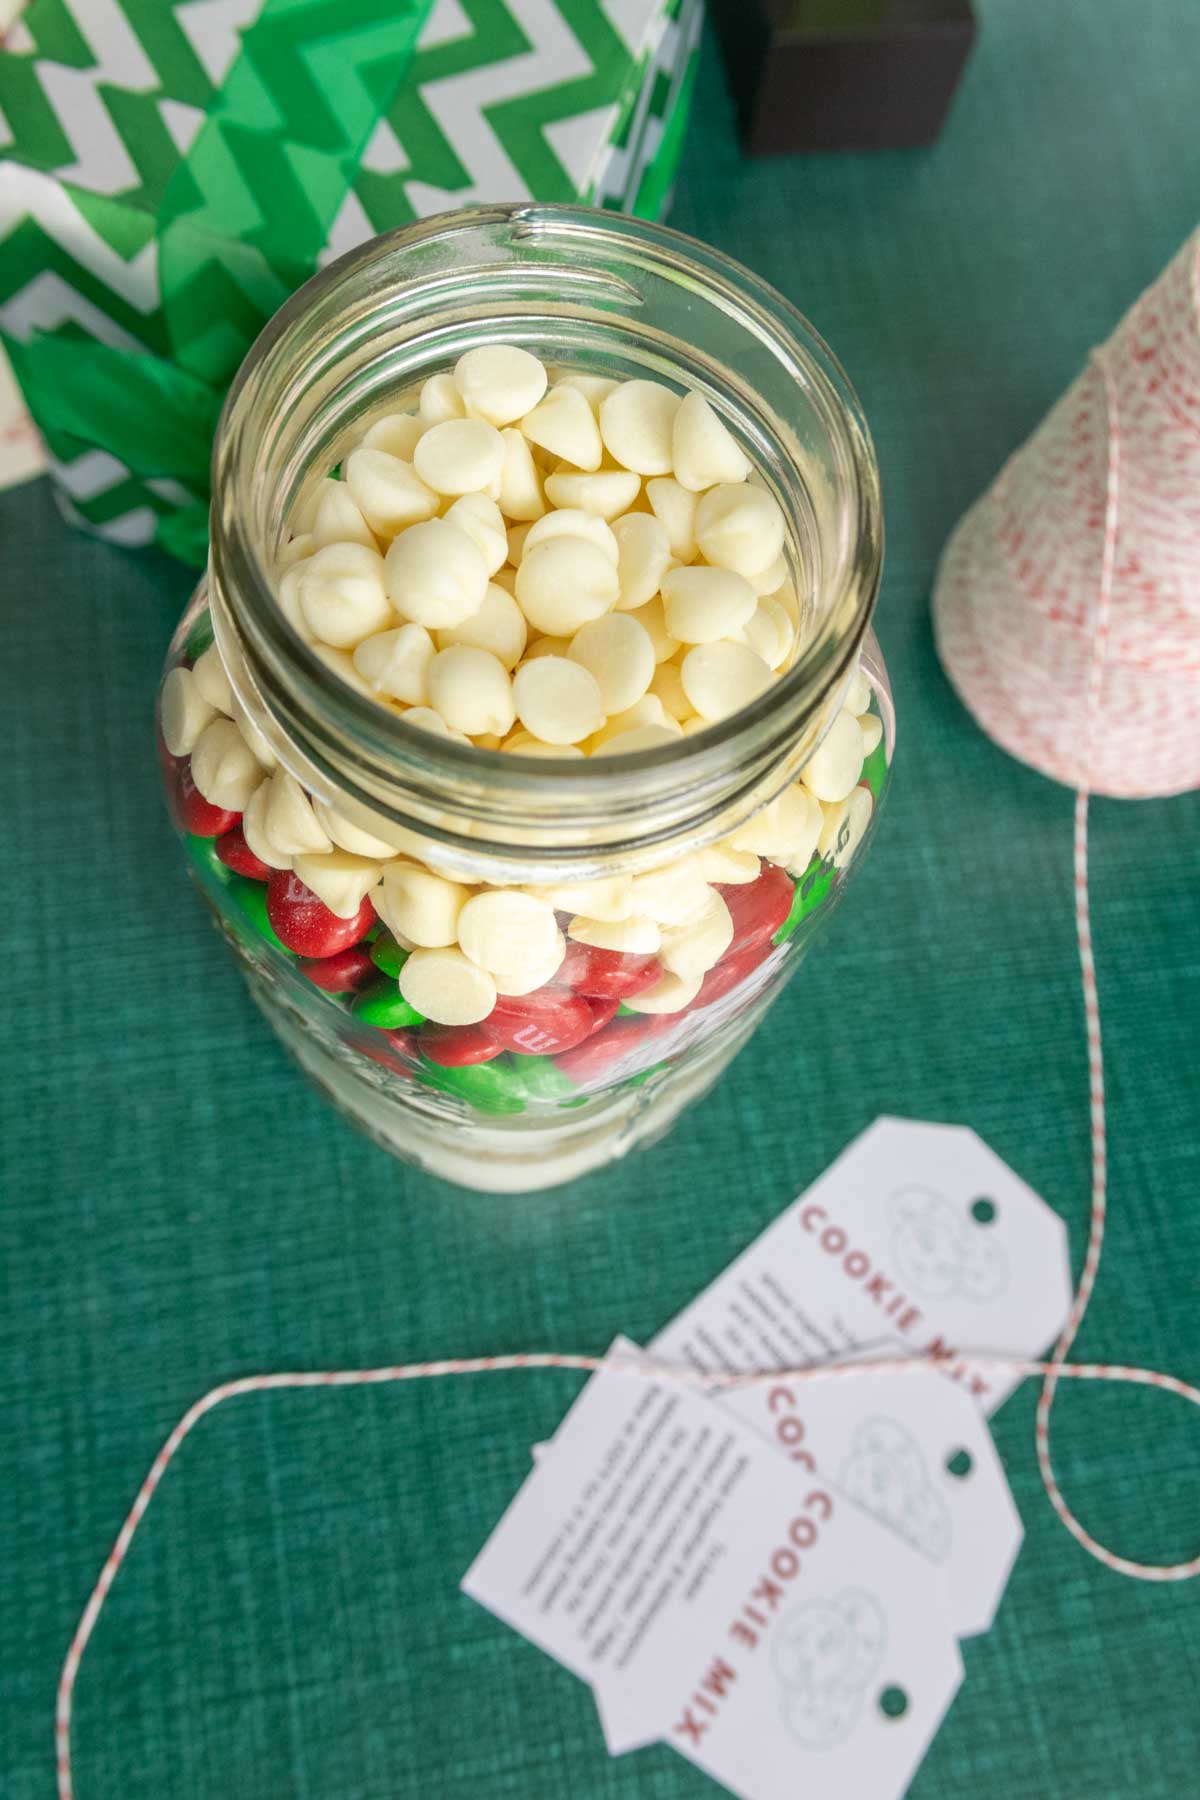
(610, 897)
(499, 382)
(701, 605)
(289, 820)
(770, 579)
(212, 680)
(396, 663)
(618, 652)
(673, 895)
(471, 689)
(380, 845)
(570, 521)
(649, 710)
(259, 747)
(675, 509)
(565, 425)
(339, 880)
(426, 719)
(524, 744)
(534, 976)
(726, 866)
(520, 495)
(594, 388)
(670, 994)
(342, 595)
(784, 830)
(440, 400)
(339, 520)
(845, 822)
(667, 686)
(652, 620)
(695, 948)
(557, 700)
(739, 527)
(447, 987)
(857, 698)
(871, 726)
(435, 574)
(224, 768)
(254, 830)
(547, 646)
(483, 523)
(635, 423)
(389, 493)
(641, 737)
(460, 456)
(768, 631)
(509, 933)
(295, 550)
(184, 711)
(341, 664)
(632, 936)
(424, 906)
(499, 626)
(564, 582)
(720, 679)
(836, 764)
(397, 433)
(703, 450)
(289, 600)
(644, 558)
(607, 493)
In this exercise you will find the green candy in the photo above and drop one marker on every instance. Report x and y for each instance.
(203, 852)
(199, 637)
(534, 1077)
(384, 1005)
(387, 955)
(481, 1085)
(811, 889)
(643, 1075)
(250, 898)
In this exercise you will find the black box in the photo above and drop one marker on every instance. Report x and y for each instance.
(842, 74)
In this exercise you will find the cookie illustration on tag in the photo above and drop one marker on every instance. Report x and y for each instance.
(825, 1653)
(888, 1477)
(942, 1249)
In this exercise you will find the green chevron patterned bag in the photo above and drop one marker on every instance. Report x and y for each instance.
(172, 171)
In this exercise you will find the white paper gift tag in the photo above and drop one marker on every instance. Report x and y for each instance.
(910, 1448)
(721, 1598)
(917, 1232)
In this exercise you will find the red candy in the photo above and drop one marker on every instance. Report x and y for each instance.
(758, 908)
(602, 1012)
(395, 1050)
(305, 924)
(541, 1023)
(730, 971)
(597, 1055)
(343, 973)
(237, 855)
(606, 974)
(198, 817)
(458, 1046)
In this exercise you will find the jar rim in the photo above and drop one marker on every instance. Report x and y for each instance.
(278, 657)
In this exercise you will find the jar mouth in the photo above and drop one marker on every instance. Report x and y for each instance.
(602, 292)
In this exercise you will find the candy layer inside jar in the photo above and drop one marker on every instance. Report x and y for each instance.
(545, 567)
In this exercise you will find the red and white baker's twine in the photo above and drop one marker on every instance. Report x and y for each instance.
(1052, 1371)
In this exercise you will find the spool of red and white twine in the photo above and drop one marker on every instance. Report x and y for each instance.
(1067, 615)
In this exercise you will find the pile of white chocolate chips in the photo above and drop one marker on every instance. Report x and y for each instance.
(567, 568)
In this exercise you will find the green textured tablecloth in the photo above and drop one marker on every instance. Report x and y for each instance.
(179, 1207)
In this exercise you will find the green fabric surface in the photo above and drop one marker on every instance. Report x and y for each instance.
(180, 1208)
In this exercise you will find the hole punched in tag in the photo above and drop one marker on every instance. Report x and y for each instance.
(893, 1702)
(959, 1463)
(983, 1210)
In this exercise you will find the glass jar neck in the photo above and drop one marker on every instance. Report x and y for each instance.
(600, 293)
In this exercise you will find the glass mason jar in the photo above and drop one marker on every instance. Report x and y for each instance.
(588, 292)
